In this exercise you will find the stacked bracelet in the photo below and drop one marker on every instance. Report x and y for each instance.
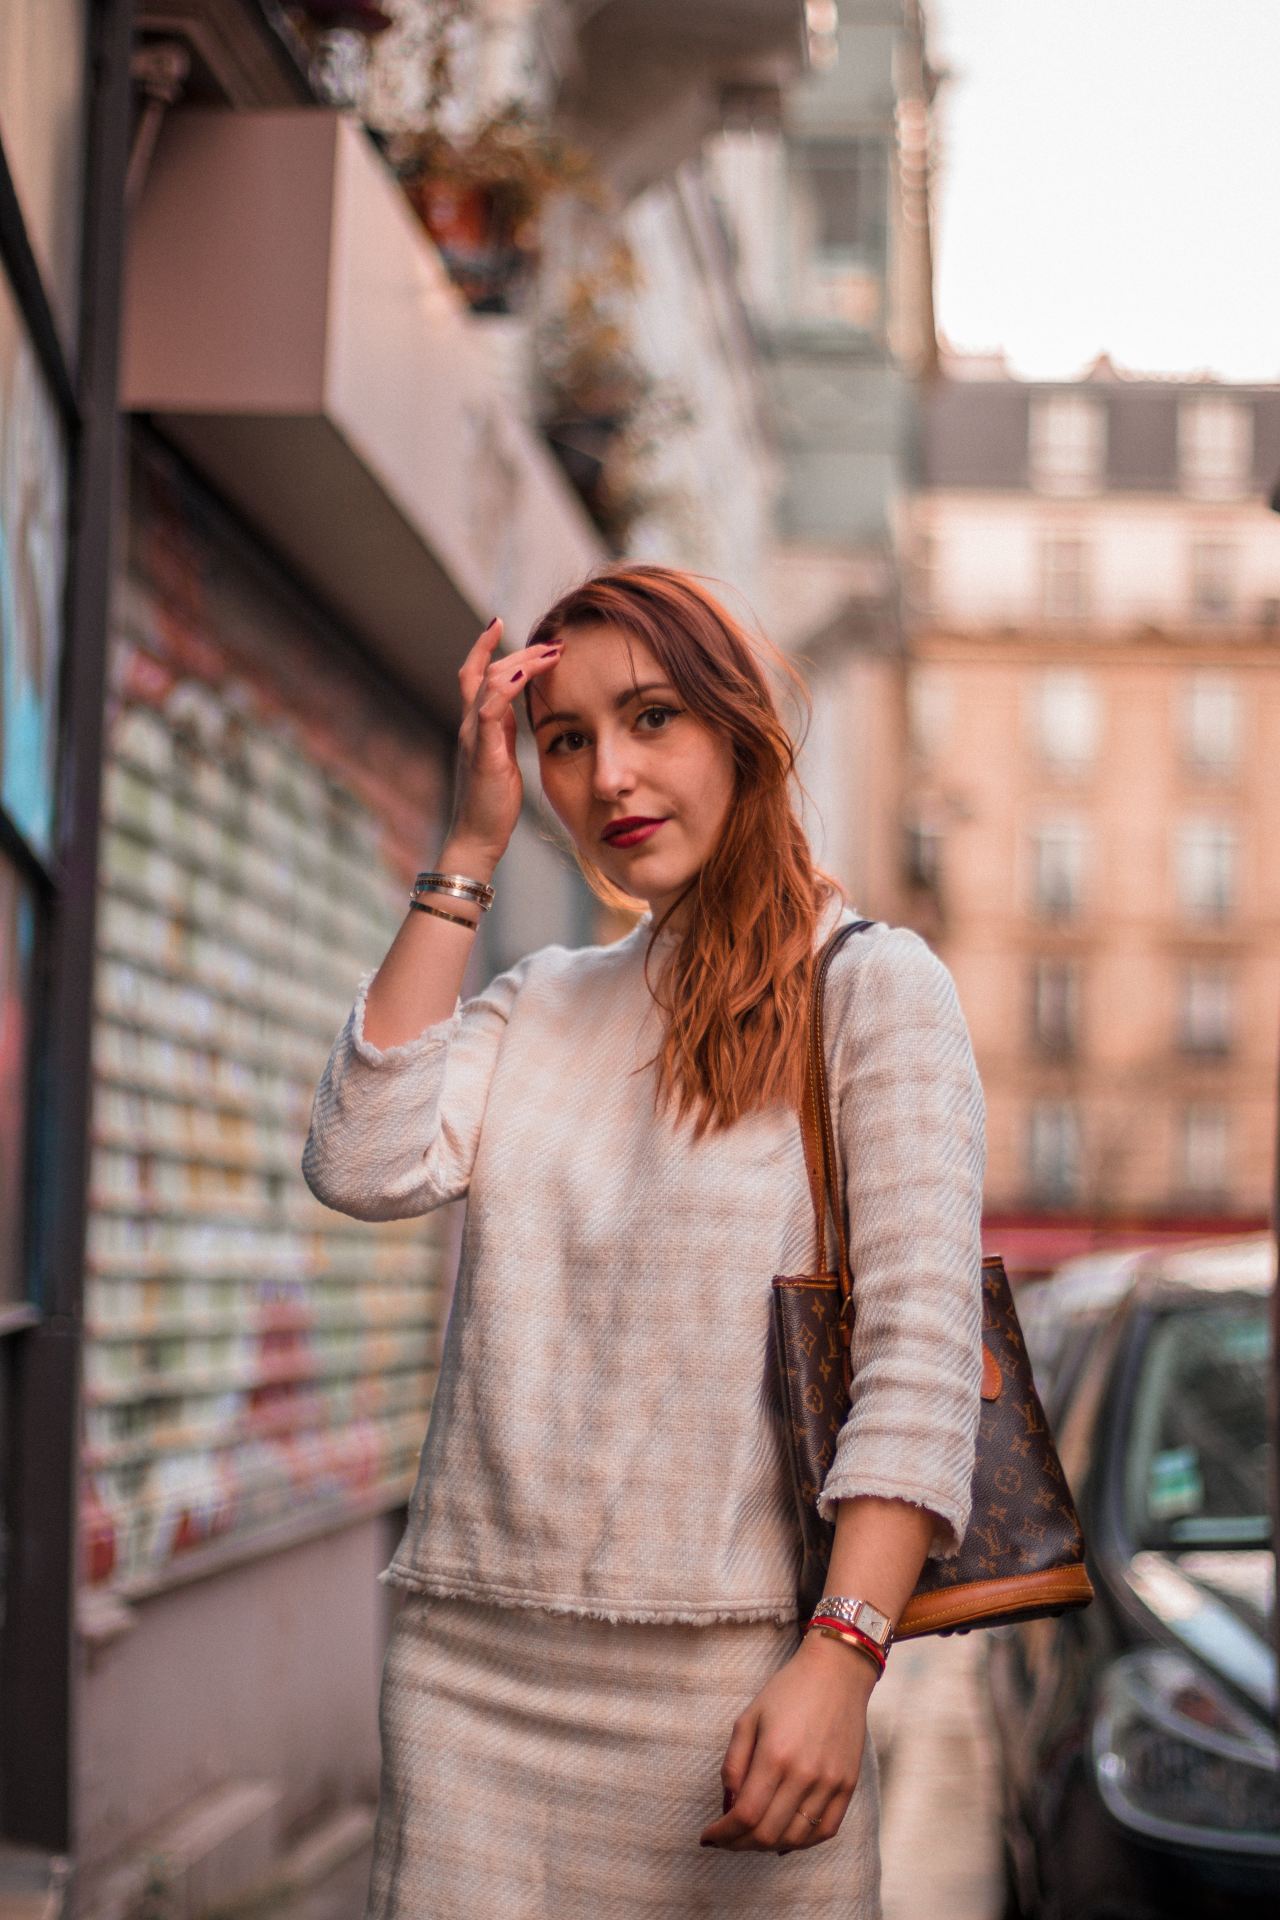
(851, 1637)
(456, 886)
(857, 1622)
(458, 919)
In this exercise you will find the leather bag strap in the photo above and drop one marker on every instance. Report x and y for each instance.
(818, 1133)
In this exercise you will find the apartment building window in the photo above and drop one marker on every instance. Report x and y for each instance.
(922, 854)
(1055, 1007)
(1213, 579)
(842, 190)
(1058, 852)
(1067, 443)
(922, 575)
(1053, 1153)
(1067, 718)
(1206, 1009)
(928, 709)
(1206, 868)
(1215, 446)
(1065, 592)
(1204, 1151)
(849, 191)
(1211, 722)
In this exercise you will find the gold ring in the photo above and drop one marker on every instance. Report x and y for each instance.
(809, 1817)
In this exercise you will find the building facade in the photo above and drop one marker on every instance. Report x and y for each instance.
(830, 215)
(1091, 791)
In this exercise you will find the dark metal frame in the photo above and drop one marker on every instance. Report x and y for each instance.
(37, 1651)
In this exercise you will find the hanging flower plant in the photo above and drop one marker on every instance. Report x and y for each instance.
(481, 197)
(605, 416)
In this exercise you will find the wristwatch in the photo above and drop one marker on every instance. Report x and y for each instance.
(858, 1614)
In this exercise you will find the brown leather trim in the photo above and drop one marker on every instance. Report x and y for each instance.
(827, 1280)
(992, 1378)
(977, 1601)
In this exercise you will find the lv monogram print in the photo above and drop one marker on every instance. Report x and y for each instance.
(1023, 1544)
(1023, 1553)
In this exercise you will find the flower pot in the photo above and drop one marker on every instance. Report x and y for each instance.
(476, 239)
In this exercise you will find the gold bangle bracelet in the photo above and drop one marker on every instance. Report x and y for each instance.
(458, 919)
(432, 877)
(833, 1633)
(468, 893)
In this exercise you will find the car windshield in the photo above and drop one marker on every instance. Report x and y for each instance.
(1196, 1460)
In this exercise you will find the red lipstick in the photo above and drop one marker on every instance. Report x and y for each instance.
(629, 832)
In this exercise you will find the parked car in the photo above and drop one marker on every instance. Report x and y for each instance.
(1138, 1758)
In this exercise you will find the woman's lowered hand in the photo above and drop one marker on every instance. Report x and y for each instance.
(795, 1753)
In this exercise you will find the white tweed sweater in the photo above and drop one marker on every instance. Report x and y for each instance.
(605, 1437)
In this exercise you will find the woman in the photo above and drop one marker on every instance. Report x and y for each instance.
(597, 1699)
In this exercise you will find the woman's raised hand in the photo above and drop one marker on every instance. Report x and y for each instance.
(488, 789)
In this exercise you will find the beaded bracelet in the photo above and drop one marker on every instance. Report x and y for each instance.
(458, 919)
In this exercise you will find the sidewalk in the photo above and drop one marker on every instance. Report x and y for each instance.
(939, 1824)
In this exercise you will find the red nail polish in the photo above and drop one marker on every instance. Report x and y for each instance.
(517, 676)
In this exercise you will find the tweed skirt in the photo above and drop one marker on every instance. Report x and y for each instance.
(540, 1766)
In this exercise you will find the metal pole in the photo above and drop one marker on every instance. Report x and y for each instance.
(37, 1741)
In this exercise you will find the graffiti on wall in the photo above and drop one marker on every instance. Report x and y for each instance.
(253, 1360)
(33, 489)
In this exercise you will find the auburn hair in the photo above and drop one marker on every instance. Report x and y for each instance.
(734, 985)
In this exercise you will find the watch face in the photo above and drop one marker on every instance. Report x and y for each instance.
(860, 1614)
(872, 1621)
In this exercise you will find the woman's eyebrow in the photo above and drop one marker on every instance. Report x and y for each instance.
(621, 700)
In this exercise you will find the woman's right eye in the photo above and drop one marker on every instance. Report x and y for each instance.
(560, 739)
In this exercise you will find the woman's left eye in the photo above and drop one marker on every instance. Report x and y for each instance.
(668, 713)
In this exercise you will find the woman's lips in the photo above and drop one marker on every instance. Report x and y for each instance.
(634, 835)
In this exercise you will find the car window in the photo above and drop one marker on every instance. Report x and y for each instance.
(1080, 1395)
(1058, 1372)
(1196, 1459)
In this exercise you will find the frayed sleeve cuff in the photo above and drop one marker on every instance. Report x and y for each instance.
(405, 1053)
(951, 1516)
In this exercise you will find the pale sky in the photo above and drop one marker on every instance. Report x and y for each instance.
(1110, 179)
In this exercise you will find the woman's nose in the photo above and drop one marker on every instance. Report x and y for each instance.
(611, 772)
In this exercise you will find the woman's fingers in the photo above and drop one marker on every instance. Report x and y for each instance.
(488, 789)
(482, 668)
(776, 1817)
(779, 1807)
(737, 1756)
(503, 679)
(813, 1821)
(759, 1773)
(471, 672)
